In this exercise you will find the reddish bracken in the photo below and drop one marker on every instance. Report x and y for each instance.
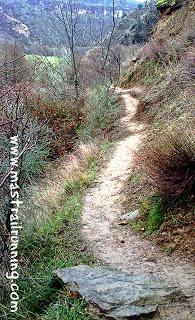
(188, 74)
(153, 50)
(63, 120)
(170, 163)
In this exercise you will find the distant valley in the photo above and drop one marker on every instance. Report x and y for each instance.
(30, 22)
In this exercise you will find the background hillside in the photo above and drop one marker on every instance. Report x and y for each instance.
(31, 22)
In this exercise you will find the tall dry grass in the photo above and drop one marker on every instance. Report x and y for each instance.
(47, 196)
(170, 163)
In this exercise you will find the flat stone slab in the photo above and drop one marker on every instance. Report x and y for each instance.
(116, 294)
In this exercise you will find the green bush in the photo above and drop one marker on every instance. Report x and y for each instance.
(130, 76)
(71, 310)
(101, 112)
(151, 71)
(73, 186)
(161, 3)
(36, 158)
(155, 216)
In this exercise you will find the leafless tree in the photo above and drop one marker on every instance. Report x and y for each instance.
(15, 120)
(68, 28)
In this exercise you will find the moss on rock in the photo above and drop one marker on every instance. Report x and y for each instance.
(161, 4)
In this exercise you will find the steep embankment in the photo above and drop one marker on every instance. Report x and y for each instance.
(162, 183)
(117, 245)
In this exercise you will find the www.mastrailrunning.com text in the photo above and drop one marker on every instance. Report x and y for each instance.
(14, 222)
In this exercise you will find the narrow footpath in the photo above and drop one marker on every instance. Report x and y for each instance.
(118, 246)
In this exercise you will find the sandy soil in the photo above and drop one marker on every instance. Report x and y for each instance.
(119, 246)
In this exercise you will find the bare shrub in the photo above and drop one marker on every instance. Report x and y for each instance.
(33, 141)
(63, 118)
(153, 50)
(101, 113)
(13, 65)
(170, 162)
(187, 72)
(165, 51)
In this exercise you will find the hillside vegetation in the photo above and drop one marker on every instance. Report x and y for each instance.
(164, 174)
(60, 69)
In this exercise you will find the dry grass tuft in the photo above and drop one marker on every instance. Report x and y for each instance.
(187, 72)
(47, 195)
(153, 51)
(170, 162)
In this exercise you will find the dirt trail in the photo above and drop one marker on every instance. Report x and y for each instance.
(117, 245)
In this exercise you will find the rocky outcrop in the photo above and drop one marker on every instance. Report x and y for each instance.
(136, 26)
(169, 3)
(116, 294)
(176, 21)
(167, 6)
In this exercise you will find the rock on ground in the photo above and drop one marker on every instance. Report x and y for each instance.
(131, 215)
(117, 294)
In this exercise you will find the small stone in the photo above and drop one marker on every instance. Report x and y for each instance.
(82, 248)
(150, 260)
(180, 230)
(135, 59)
(123, 223)
(130, 216)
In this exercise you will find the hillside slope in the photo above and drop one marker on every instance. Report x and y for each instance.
(136, 26)
(176, 21)
(163, 181)
(11, 29)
